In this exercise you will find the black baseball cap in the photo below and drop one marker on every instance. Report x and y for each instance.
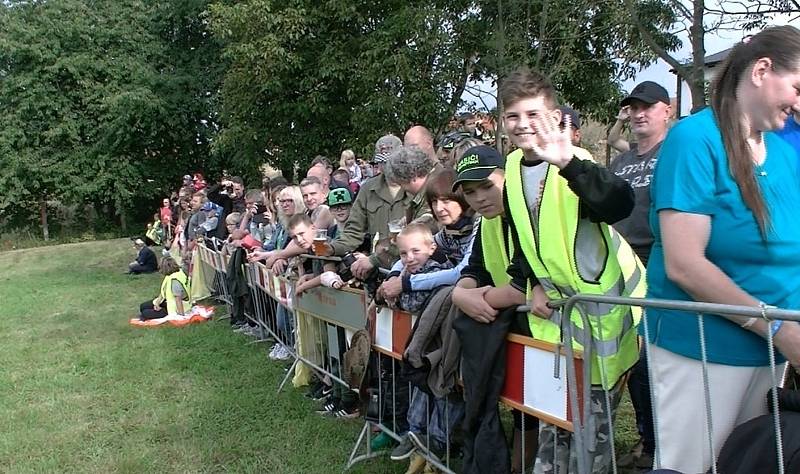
(477, 164)
(648, 92)
(573, 115)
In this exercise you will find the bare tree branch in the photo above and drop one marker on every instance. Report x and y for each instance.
(651, 42)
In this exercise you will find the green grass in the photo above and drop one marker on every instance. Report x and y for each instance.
(82, 391)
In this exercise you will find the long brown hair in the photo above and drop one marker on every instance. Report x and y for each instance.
(781, 44)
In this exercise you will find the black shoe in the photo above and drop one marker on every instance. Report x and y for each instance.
(404, 450)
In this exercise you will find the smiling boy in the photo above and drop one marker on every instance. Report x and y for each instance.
(560, 205)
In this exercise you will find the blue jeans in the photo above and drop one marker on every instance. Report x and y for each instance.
(443, 414)
(285, 325)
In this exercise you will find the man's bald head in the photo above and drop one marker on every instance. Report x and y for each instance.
(421, 137)
(320, 172)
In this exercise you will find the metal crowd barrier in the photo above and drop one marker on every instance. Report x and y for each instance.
(214, 271)
(543, 380)
(582, 434)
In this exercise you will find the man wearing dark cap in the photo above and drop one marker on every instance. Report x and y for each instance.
(649, 111)
(575, 123)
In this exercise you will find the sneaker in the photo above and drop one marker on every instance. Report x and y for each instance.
(246, 330)
(417, 464)
(283, 354)
(337, 409)
(314, 388)
(381, 442)
(346, 413)
(403, 450)
(329, 406)
(432, 447)
(274, 352)
(323, 393)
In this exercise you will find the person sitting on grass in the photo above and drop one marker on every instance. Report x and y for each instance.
(173, 298)
(145, 262)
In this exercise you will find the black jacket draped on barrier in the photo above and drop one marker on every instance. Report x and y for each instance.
(483, 367)
(236, 283)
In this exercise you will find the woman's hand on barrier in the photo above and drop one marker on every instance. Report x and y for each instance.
(472, 303)
(539, 302)
(787, 340)
(392, 287)
(302, 284)
(300, 287)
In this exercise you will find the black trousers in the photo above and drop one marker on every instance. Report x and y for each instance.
(639, 388)
(146, 311)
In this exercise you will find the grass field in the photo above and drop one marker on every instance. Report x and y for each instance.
(82, 391)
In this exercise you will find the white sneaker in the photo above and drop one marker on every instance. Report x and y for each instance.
(283, 354)
(274, 351)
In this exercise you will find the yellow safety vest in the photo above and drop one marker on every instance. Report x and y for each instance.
(561, 259)
(493, 246)
(169, 296)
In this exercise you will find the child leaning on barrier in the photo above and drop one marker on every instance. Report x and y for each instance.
(416, 246)
(315, 273)
(343, 402)
(426, 414)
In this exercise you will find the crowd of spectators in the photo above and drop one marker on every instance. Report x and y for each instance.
(446, 227)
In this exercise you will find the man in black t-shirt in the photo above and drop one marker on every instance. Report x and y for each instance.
(650, 111)
(649, 108)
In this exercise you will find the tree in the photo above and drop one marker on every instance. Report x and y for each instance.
(692, 20)
(308, 77)
(104, 102)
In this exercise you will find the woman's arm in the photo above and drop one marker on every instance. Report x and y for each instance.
(684, 237)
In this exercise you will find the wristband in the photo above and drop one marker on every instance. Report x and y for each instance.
(774, 327)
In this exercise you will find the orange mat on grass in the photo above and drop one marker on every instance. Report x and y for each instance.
(198, 314)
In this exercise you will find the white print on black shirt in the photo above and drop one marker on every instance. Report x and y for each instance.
(639, 180)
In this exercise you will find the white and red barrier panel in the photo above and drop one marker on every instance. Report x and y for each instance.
(531, 385)
(390, 329)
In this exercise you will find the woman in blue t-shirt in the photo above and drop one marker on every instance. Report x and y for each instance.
(725, 198)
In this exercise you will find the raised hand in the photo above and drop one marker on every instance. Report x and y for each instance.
(553, 144)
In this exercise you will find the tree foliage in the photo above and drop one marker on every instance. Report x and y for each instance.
(103, 102)
(309, 77)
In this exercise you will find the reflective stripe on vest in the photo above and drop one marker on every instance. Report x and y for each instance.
(570, 255)
(493, 247)
(169, 296)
